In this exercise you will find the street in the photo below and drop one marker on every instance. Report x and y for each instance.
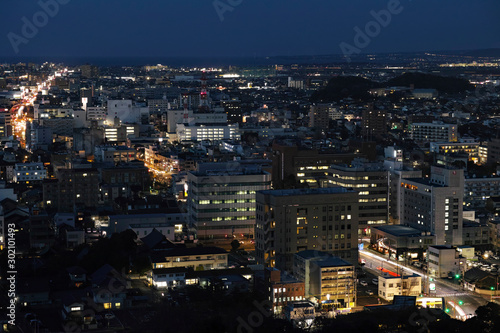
(463, 302)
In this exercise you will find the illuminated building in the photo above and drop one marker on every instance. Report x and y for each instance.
(434, 132)
(29, 172)
(289, 221)
(370, 181)
(221, 198)
(435, 204)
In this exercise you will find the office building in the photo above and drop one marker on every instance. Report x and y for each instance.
(327, 278)
(290, 221)
(434, 132)
(221, 198)
(282, 289)
(319, 116)
(370, 181)
(444, 261)
(435, 204)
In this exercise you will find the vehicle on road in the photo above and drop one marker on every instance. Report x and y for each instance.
(363, 283)
(375, 281)
(369, 292)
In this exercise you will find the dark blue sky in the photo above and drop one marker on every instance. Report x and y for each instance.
(172, 28)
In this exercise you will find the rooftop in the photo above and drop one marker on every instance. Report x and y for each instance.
(308, 191)
(399, 230)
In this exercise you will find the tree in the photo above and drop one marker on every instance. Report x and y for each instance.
(235, 245)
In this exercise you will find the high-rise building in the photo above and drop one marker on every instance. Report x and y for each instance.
(293, 165)
(374, 123)
(319, 116)
(221, 198)
(89, 71)
(370, 181)
(289, 221)
(435, 204)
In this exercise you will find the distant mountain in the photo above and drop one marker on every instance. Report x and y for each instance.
(443, 84)
(358, 88)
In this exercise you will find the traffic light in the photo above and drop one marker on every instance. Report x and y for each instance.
(460, 302)
(447, 310)
(457, 276)
(492, 288)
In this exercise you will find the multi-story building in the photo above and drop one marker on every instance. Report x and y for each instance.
(444, 261)
(282, 289)
(468, 148)
(476, 234)
(435, 204)
(293, 165)
(114, 154)
(38, 136)
(70, 188)
(493, 155)
(212, 132)
(289, 221)
(370, 181)
(96, 113)
(374, 123)
(221, 198)
(478, 190)
(121, 133)
(42, 231)
(59, 125)
(319, 116)
(158, 105)
(197, 258)
(406, 285)
(29, 172)
(434, 132)
(233, 111)
(125, 111)
(327, 278)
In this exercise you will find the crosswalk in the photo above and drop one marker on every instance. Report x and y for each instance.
(452, 294)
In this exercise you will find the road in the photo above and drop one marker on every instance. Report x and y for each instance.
(463, 302)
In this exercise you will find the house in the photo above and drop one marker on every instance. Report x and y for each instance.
(162, 278)
(77, 275)
(109, 288)
(75, 309)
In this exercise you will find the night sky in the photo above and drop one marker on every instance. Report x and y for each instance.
(255, 28)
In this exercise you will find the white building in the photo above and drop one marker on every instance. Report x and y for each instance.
(26, 172)
(163, 278)
(143, 229)
(434, 132)
(97, 113)
(214, 132)
(444, 261)
(126, 111)
(390, 286)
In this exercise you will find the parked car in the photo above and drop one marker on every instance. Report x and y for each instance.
(369, 292)
(363, 283)
(375, 281)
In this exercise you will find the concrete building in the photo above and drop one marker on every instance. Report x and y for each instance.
(70, 188)
(281, 289)
(96, 113)
(114, 154)
(319, 116)
(212, 132)
(221, 198)
(29, 172)
(434, 132)
(371, 183)
(300, 314)
(294, 165)
(197, 258)
(478, 190)
(125, 111)
(435, 204)
(289, 221)
(374, 123)
(327, 278)
(402, 242)
(444, 261)
(470, 149)
(407, 285)
(493, 154)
